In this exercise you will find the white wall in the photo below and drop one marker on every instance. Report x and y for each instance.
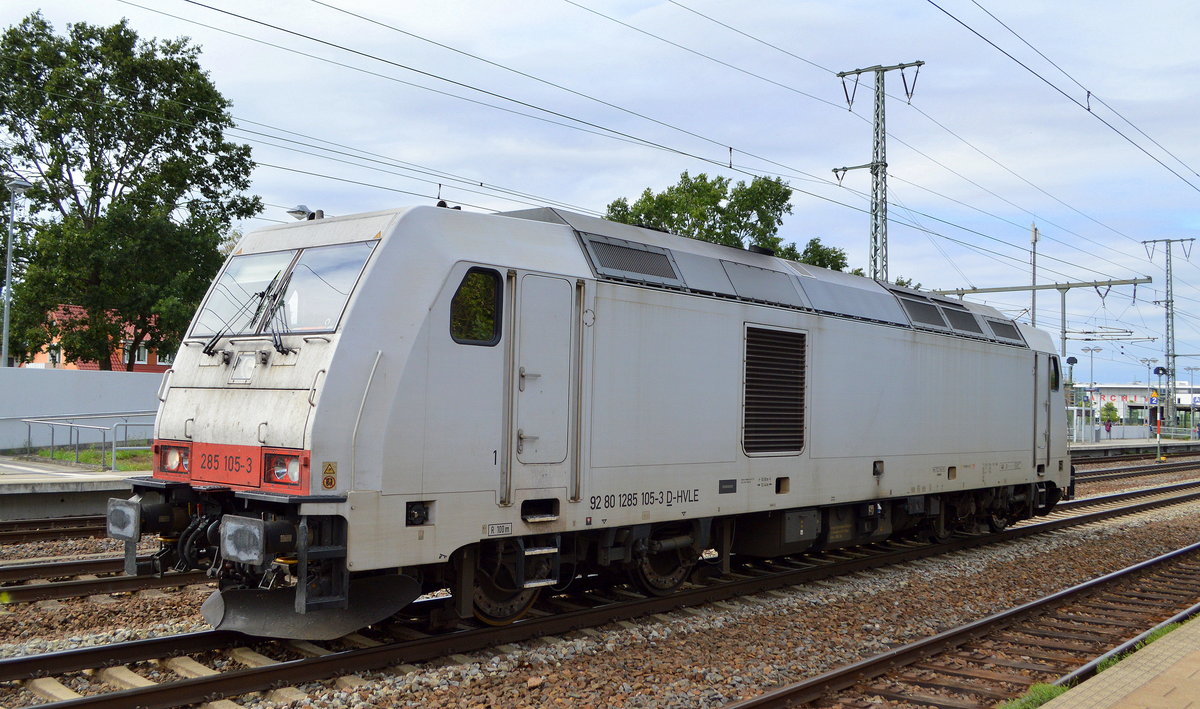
(34, 393)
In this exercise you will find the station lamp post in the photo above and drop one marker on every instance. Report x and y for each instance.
(15, 186)
(1191, 397)
(1149, 365)
(1091, 352)
(1158, 456)
(1071, 362)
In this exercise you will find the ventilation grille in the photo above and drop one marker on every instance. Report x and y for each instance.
(623, 258)
(774, 407)
(923, 313)
(963, 320)
(1005, 330)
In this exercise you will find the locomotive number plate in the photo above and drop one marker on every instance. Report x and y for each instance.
(237, 465)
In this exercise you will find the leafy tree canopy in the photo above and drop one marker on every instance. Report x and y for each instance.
(710, 209)
(817, 254)
(135, 184)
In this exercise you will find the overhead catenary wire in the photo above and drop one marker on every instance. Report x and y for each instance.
(672, 126)
(1067, 96)
(973, 147)
(435, 177)
(943, 127)
(678, 151)
(1090, 94)
(801, 191)
(859, 210)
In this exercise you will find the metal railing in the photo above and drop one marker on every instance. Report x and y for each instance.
(76, 430)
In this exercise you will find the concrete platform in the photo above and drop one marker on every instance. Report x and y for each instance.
(1163, 675)
(32, 489)
(1149, 446)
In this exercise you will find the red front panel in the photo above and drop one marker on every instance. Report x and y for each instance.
(236, 466)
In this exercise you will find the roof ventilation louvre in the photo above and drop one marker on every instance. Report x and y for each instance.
(631, 261)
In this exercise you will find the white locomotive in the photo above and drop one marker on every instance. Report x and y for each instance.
(372, 407)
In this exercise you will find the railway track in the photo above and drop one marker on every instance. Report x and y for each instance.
(38, 530)
(999, 657)
(16, 586)
(1083, 455)
(268, 664)
(1133, 471)
(26, 583)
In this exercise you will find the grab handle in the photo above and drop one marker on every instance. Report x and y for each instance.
(312, 390)
(162, 387)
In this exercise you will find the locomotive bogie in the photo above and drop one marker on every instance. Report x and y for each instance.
(430, 398)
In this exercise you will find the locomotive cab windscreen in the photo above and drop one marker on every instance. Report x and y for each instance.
(280, 292)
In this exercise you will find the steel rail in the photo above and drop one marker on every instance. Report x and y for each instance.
(51, 523)
(1067, 505)
(237, 682)
(32, 530)
(47, 535)
(1133, 472)
(119, 584)
(63, 661)
(58, 569)
(850, 675)
(21, 572)
(92, 587)
(1084, 455)
(1092, 668)
(1147, 469)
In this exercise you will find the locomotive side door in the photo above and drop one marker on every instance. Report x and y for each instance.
(542, 383)
(1041, 410)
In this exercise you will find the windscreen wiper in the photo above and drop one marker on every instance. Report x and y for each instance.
(210, 347)
(273, 314)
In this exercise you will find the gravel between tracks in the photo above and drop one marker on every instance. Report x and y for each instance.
(709, 656)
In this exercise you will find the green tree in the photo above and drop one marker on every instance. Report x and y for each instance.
(1108, 412)
(817, 254)
(709, 209)
(135, 184)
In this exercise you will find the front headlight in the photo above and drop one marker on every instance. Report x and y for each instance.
(282, 469)
(174, 459)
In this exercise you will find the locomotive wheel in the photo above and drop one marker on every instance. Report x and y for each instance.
(997, 522)
(497, 598)
(662, 573)
(499, 606)
(935, 529)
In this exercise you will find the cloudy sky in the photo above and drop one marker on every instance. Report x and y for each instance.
(353, 106)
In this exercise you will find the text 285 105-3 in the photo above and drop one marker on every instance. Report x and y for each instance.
(225, 463)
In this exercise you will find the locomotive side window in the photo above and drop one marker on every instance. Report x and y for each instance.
(773, 412)
(1054, 374)
(475, 308)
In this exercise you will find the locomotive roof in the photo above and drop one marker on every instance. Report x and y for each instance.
(623, 252)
